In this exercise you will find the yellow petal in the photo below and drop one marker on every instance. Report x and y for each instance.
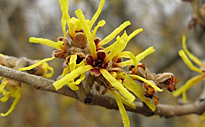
(124, 101)
(47, 69)
(130, 87)
(65, 16)
(191, 82)
(119, 45)
(134, 33)
(139, 57)
(189, 54)
(117, 85)
(63, 23)
(82, 63)
(125, 118)
(66, 71)
(72, 62)
(5, 97)
(145, 53)
(59, 45)
(136, 89)
(126, 63)
(36, 64)
(109, 48)
(184, 98)
(12, 90)
(114, 34)
(17, 97)
(130, 55)
(88, 34)
(188, 62)
(73, 26)
(71, 76)
(202, 117)
(97, 13)
(78, 81)
(101, 23)
(3, 85)
(0, 76)
(73, 86)
(147, 81)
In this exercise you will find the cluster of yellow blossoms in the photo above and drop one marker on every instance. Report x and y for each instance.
(186, 55)
(183, 54)
(11, 88)
(14, 91)
(86, 53)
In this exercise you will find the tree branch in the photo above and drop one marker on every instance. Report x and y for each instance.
(46, 85)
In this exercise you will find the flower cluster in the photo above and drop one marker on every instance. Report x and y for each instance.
(11, 88)
(85, 52)
(186, 55)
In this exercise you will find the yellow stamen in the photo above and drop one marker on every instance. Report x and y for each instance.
(36, 64)
(147, 81)
(65, 16)
(97, 13)
(114, 34)
(72, 75)
(89, 36)
(17, 98)
(117, 85)
(59, 45)
(188, 62)
(191, 82)
(125, 119)
(189, 54)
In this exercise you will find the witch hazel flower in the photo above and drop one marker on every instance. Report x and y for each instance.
(100, 61)
(10, 88)
(188, 57)
(86, 53)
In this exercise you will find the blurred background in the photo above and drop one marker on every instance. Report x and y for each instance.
(163, 21)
